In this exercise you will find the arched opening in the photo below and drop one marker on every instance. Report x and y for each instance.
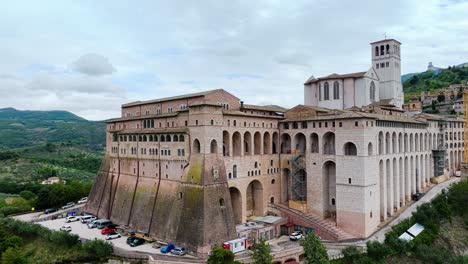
(387, 143)
(372, 91)
(376, 50)
(266, 143)
(236, 144)
(381, 143)
(254, 198)
(286, 184)
(272, 200)
(314, 143)
(400, 143)
(329, 185)
(274, 143)
(257, 143)
(247, 144)
(394, 143)
(382, 50)
(175, 138)
(406, 143)
(226, 143)
(234, 171)
(196, 146)
(181, 138)
(329, 143)
(370, 149)
(168, 138)
(336, 90)
(285, 144)
(236, 202)
(214, 147)
(382, 189)
(300, 142)
(326, 91)
(350, 149)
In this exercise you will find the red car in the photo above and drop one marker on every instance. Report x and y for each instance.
(107, 231)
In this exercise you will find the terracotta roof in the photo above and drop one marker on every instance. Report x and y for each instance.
(171, 98)
(349, 114)
(143, 117)
(337, 76)
(239, 113)
(271, 108)
(153, 130)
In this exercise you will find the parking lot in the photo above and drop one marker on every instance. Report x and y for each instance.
(84, 232)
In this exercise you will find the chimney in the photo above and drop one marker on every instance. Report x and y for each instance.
(242, 104)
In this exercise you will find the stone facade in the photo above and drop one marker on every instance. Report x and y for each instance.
(187, 169)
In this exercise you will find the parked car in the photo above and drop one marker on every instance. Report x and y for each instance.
(130, 239)
(68, 205)
(87, 218)
(92, 224)
(136, 242)
(296, 235)
(50, 210)
(70, 219)
(66, 228)
(417, 196)
(112, 236)
(167, 248)
(179, 251)
(83, 200)
(101, 223)
(107, 231)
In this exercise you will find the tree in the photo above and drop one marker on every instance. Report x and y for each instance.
(351, 254)
(13, 255)
(261, 253)
(221, 256)
(377, 250)
(28, 195)
(315, 252)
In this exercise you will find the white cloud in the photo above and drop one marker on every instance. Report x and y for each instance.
(160, 45)
(93, 64)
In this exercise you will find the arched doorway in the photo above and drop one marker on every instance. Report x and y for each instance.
(286, 185)
(285, 144)
(300, 143)
(254, 198)
(236, 201)
(329, 186)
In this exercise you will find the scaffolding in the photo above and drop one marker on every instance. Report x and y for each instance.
(299, 178)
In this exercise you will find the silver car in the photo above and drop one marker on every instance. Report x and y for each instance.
(179, 251)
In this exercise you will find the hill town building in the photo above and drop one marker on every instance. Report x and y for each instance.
(187, 169)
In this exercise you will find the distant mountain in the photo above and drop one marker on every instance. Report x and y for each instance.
(28, 128)
(405, 77)
(12, 113)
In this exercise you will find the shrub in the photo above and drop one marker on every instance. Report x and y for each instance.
(62, 238)
(377, 250)
(13, 255)
(221, 256)
(97, 248)
(351, 254)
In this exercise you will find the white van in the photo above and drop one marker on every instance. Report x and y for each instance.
(87, 218)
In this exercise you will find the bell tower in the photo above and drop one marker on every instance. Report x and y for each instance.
(386, 61)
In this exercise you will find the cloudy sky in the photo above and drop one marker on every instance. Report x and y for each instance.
(89, 57)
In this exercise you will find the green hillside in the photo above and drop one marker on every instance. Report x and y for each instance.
(29, 128)
(432, 80)
(37, 163)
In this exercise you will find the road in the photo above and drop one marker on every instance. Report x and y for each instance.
(38, 216)
(429, 196)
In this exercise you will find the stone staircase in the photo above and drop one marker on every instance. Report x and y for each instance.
(322, 227)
